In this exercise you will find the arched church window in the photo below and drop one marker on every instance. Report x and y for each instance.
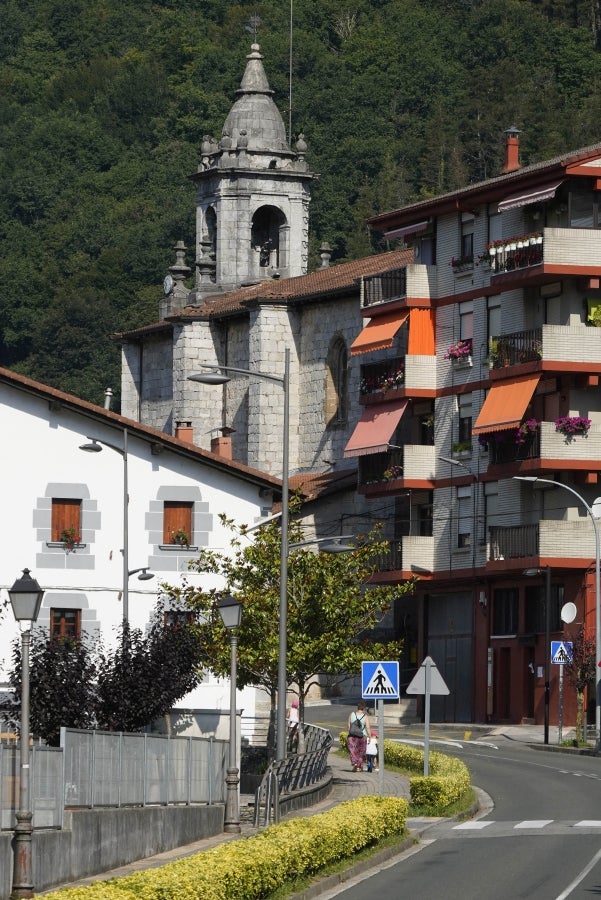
(336, 393)
(265, 235)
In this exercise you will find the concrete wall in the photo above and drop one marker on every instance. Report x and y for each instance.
(94, 841)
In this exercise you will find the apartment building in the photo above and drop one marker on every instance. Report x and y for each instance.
(480, 367)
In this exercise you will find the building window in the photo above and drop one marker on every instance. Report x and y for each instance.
(66, 518)
(491, 507)
(464, 516)
(493, 316)
(177, 523)
(336, 393)
(505, 611)
(467, 237)
(466, 320)
(535, 613)
(65, 623)
(465, 419)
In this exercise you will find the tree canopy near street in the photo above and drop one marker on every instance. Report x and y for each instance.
(104, 104)
(334, 618)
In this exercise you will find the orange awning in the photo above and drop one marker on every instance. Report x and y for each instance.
(506, 404)
(422, 327)
(375, 428)
(379, 332)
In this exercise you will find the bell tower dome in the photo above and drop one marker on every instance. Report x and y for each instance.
(252, 200)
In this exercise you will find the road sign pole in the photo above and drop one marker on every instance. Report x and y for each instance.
(381, 748)
(428, 665)
(560, 718)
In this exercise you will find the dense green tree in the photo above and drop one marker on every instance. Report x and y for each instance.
(334, 615)
(103, 106)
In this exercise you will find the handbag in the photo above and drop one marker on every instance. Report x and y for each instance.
(356, 729)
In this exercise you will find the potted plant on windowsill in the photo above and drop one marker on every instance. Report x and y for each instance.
(69, 538)
(460, 353)
(462, 448)
(180, 537)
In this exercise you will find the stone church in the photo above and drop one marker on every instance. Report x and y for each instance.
(250, 301)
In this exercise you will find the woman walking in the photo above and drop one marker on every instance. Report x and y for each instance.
(358, 732)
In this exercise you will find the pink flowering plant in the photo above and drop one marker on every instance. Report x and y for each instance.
(460, 350)
(571, 425)
(525, 429)
(392, 472)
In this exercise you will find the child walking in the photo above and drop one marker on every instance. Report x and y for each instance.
(371, 752)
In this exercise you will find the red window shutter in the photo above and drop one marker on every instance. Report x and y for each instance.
(66, 514)
(177, 519)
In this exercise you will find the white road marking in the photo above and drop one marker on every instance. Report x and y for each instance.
(475, 826)
(580, 877)
(588, 823)
(533, 823)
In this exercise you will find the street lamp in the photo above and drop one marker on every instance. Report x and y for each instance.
(26, 599)
(591, 511)
(529, 573)
(230, 611)
(215, 376)
(95, 447)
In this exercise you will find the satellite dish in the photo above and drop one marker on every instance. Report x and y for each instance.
(568, 612)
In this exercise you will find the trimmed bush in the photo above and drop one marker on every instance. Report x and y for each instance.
(251, 868)
(448, 780)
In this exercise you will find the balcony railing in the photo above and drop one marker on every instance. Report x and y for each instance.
(392, 559)
(508, 451)
(513, 542)
(516, 253)
(518, 347)
(385, 286)
(381, 467)
(379, 378)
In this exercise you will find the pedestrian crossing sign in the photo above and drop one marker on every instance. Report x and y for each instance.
(380, 680)
(561, 652)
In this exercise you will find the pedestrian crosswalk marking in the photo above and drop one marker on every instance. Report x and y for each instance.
(588, 823)
(534, 823)
(475, 826)
(531, 824)
(380, 683)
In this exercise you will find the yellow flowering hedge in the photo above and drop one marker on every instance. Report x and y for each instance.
(448, 780)
(251, 868)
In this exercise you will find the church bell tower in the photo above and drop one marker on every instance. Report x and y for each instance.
(252, 201)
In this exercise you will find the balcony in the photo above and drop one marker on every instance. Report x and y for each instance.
(397, 284)
(515, 253)
(411, 550)
(382, 472)
(553, 449)
(551, 538)
(383, 378)
(516, 348)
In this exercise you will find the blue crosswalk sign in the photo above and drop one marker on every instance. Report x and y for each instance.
(380, 680)
(561, 652)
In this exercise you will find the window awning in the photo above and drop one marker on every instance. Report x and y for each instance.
(527, 197)
(416, 228)
(375, 428)
(379, 332)
(506, 404)
(422, 331)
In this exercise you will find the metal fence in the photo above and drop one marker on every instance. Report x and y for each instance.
(98, 768)
(294, 773)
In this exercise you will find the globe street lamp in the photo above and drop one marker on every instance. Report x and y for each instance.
(230, 611)
(216, 376)
(26, 599)
(94, 446)
(596, 508)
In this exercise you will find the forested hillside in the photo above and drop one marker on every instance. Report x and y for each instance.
(103, 105)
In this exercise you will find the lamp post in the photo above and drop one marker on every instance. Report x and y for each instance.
(95, 446)
(26, 599)
(594, 519)
(230, 611)
(529, 572)
(215, 376)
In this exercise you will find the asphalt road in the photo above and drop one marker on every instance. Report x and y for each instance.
(540, 839)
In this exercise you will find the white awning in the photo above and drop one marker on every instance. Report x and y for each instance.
(408, 229)
(528, 197)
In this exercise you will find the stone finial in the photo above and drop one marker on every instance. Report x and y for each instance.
(206, 262)
(242, 142)
(301, 145)
(325, 252)
(226, 142)
(180, 270)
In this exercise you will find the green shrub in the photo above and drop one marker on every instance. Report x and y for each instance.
(250, 868)
(448, 778)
